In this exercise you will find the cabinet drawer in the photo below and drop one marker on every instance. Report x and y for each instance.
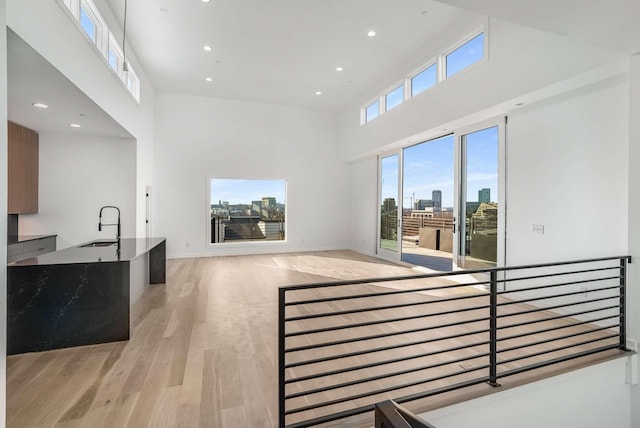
(38, 244)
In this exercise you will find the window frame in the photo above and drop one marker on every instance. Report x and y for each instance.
(442, 60)
(392, 89)
(105, 42)
(432, 63)
(244, 244)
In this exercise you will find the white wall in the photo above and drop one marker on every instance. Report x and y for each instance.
(592, 397)
(521, 61)
(47, 28)
(197, 137)
(633, 297)
(3, 215)
(77, 176)
(363, 205)
(568, 170)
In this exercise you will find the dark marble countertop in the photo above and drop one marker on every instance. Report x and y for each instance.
(130, 248)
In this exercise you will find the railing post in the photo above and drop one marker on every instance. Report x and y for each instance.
(281, 360)
(493, 329)
(623, 303)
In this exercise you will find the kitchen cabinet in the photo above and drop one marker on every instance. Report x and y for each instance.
(22, 153)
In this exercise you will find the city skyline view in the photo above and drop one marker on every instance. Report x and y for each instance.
(244, 191)
(429, 166)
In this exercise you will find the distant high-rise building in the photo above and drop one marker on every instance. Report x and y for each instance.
(484, 195)
(389, 205)
(421, 204)
(256, 207)
(268, 207)
(436, 197)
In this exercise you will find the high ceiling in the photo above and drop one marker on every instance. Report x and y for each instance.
(283, 51)
(279, 51)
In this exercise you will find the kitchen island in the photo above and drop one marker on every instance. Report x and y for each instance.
(80, 295)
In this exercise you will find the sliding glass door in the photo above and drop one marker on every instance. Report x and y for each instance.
(389, 224)
(441, 202)
(481, 196)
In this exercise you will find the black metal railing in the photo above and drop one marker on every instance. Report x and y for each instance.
(346, 345)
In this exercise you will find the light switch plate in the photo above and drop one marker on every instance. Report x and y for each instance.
(537, 228)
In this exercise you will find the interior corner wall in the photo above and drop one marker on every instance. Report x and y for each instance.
(198, 137)
(633, 296)
(3, 213)
(77, 176)
(567, 170)
(47, 28)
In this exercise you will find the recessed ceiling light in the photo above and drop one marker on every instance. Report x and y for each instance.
(74, 125)
(318, 92)
(209, 79)
(40, 105)
(371, 33)
(339, 68)
(206, 1)
(207, 48)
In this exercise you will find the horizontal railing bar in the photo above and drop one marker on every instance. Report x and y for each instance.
(382, 363)
(561, 284)
(546, 330)
(377, 308)
(375, 336)
(441, 390)
(547, 308)
(548, 351)
(550, 275)
(572, 293)
(382, 391)
(444, 274)
(382, 376)
(556, 360)
(332, 417)
(567, 336)
(384, 321)
(363, 352)
(386, 293)
(557, 317)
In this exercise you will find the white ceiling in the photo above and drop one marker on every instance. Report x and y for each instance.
(31, 79)
(279, 51)
(610, 24)
(283, 51)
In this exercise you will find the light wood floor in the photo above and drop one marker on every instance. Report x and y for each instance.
(203, 352)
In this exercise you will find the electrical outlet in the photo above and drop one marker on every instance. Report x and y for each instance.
(537, 228)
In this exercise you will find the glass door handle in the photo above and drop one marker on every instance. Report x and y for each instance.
(454, 225)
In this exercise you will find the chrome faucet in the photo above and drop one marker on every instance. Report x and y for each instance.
(100, 224)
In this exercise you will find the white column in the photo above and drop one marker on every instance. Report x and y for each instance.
(633, 297)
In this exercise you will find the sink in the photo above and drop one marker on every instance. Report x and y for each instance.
(99, 244)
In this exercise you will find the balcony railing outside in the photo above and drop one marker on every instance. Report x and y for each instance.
(345, 346)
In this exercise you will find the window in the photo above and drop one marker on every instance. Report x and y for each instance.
(424, 80)
(445, 64)
(467, 54)
(372, 111)
(246, 210)
(88, 25)
(85, 13)
(113, 60)
(395, 97)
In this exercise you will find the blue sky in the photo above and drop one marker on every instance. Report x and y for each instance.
(243, 191)
(429, 166)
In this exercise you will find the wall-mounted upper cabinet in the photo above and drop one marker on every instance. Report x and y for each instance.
(23, 170)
